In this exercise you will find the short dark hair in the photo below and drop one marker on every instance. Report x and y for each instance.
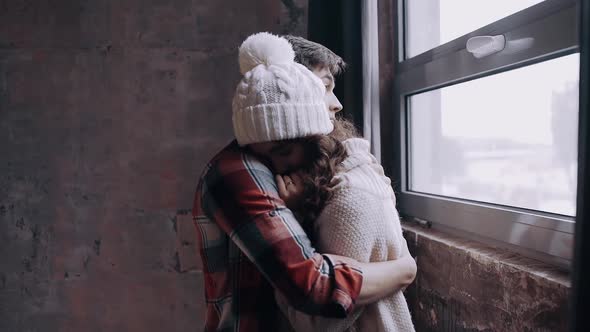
(313, 55)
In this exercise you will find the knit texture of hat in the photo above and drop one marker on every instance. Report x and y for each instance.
(277, 98)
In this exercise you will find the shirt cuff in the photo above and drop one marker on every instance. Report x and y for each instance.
(348, 279)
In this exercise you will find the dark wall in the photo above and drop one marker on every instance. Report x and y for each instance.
(109, 110)
(337, 25)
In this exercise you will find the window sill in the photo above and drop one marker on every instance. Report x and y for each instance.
(465, 284)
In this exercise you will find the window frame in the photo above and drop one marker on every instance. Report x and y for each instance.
(542, 235)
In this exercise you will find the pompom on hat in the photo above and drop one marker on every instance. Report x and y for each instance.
(277, 98)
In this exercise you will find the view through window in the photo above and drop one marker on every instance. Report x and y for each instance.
(508, 139)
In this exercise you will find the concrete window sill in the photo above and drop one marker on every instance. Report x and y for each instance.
(463, 285)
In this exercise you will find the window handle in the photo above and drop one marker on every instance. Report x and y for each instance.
(481, 46)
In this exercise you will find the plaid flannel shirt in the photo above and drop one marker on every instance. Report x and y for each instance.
(250, 242)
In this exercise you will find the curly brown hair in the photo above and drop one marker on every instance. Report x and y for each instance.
(325, 153)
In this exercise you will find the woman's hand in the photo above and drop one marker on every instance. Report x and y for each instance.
(290, 190)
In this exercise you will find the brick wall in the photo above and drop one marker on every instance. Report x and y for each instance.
(108, 112)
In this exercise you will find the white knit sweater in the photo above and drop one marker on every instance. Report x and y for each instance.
(360, 221)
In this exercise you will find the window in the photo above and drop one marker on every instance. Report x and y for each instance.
(496, 141)
(431, 23)
(488, 145)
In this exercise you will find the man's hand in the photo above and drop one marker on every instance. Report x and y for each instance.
(290, 190)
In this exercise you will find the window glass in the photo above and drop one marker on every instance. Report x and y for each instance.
(508, 139)
(431, 23)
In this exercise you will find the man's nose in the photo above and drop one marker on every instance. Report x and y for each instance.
(336, 108)
(335, 105)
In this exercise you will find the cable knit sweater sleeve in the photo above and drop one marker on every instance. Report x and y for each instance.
(344, 237)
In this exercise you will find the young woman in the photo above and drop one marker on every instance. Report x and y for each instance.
(347, 207)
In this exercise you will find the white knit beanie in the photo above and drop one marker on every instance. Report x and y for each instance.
(277, 98)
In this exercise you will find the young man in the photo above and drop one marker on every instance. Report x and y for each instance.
(250, 241)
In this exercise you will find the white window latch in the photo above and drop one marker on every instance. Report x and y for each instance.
(481, 46)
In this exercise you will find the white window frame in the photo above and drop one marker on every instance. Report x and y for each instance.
(553, 25)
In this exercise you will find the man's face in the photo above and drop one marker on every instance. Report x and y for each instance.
(288, 156)
(332, 102)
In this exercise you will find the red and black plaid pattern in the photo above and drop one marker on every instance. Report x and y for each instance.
(250, 242)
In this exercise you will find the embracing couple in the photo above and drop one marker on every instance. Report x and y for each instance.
(295, 219)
